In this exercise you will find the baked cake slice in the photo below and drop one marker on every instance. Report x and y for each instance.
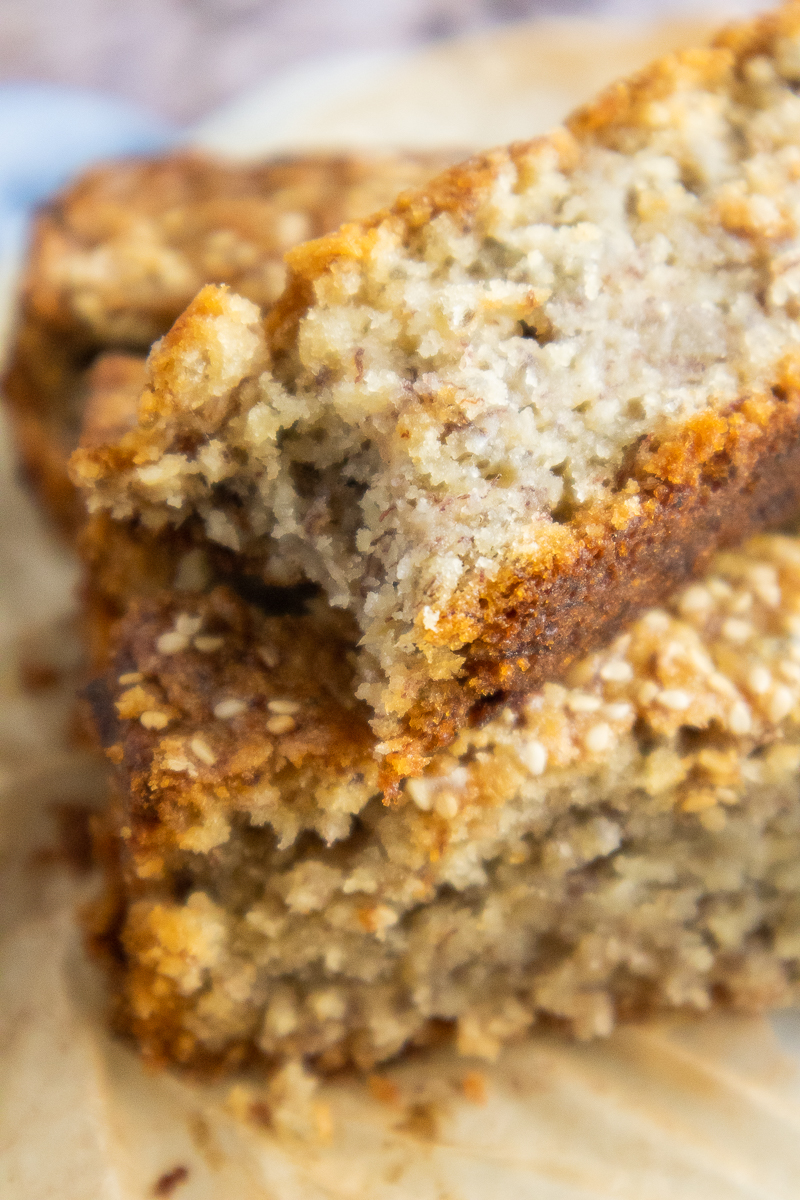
(502, 417)
(625, 843)
(118, 255)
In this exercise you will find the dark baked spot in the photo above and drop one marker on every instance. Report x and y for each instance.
(166, 1184)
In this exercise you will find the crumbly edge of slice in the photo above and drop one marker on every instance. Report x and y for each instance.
(119, 253)
(638, 832)
(487, 529)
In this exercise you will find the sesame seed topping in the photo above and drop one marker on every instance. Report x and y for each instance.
(599, 738)
(720, 683)
(131, 677)
(172, 642)
(420, 791)
(229, 708)
(284, 708)
(269, 656)
(759, 680)
(736, 630)
(781, 703)
(790, 671)
(741, 603)
(581, 702)
(153, 719)
(656, 620)
(534, 756)
(281, 723)
(675, 699)
(619, 712)
(188, 626)
(208, 644)
(180, 765)
(446, 804)
(740, 720)
(201, 749)
(616, 671)
(695, 600)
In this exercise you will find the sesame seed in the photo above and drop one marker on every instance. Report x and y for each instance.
(617, 671)
(764, 579)
(759, 680)
(172, 642)
(188, 626)
(695, 600)
(284, 708)
(229, 708)
(420, 791)
(720, 683)
(154, 720)
(446, 804)
(769, 594)
(131, 677)
(281, 724)
(201, 749)
(741, 603)
(656, 620)
(580, 702)
(790, 671)
(180, 765)
(534, 756)
(208, 644)
(781, 703)
(735, 630)
(269, 656)
(599, 738)
(619, 712)
(675, 699)
(740, 720)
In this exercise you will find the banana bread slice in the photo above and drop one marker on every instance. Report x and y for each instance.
(120, 253)
(624, 843)
(502, 417)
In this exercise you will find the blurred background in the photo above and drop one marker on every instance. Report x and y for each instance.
(180, 59)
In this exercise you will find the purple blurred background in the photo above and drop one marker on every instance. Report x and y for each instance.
(181, 58)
